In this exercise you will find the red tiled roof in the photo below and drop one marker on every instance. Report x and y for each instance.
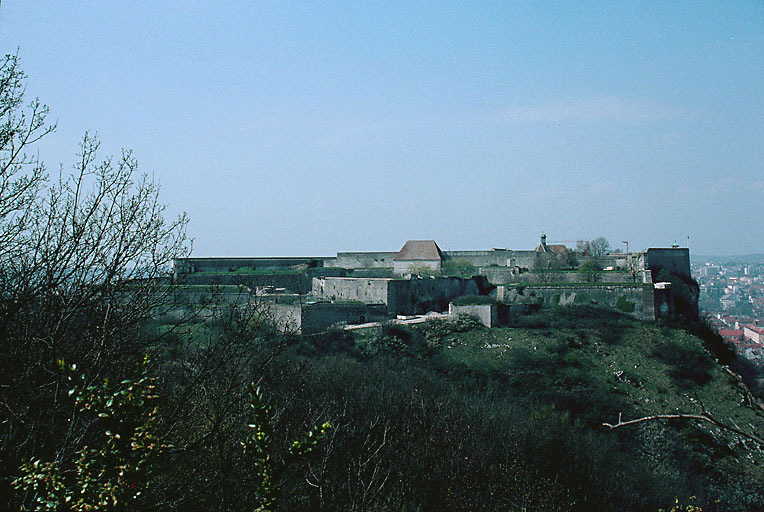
(730, 332)
(418, 250)
(757, 330)
(558, 249)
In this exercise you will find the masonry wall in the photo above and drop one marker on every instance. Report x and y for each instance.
(490, 315)
(320, 316)
(498, 276)
(287, 317)
(663, 303)
(401, 296)
(210, 295)
(366, 290)
(294, 283)
(676, 260)
(316, 317)
(193, 265)
(623, 260)
(418, 296)
(640, 296)
(500, 258)
(404, 266)
(487, 314)
(362, 260)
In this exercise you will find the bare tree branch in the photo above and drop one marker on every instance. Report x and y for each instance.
(705, 417)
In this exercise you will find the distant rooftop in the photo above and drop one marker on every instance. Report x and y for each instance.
(419, 250)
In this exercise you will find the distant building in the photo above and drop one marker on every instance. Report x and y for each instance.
(416, 254)
(732, 335)
(559, 250)
(754, 333)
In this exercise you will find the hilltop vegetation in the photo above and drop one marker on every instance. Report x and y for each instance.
(451, 416)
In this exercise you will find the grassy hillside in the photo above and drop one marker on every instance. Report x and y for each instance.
(452, 416)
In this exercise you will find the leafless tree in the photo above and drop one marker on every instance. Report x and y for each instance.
(599, 247)
(83, 256)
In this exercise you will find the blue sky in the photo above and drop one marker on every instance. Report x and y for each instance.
(307, 128)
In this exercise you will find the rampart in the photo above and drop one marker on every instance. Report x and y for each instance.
(499, 276)
(362, 260)
(401, 296)
(638, 300)
(315, 317)
(183, 266)
(367, 290)
(496, 258)
(292, 282)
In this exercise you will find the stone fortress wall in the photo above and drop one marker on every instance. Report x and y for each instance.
(352, 260)
(351, 286)
(496, 258)
(400, 296)
(638, 300)
(183, 266)
(672, 259)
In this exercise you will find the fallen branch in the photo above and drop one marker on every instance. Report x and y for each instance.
(697, 417)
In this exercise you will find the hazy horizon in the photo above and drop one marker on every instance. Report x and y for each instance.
(290, 130)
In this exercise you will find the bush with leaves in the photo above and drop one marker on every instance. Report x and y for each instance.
(460, 267)
(269, 468)
(590, 271)
(114, 467)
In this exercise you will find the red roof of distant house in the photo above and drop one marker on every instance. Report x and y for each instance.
(745, 344)
(757, 330)
(730, 332)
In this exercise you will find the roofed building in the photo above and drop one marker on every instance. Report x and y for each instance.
(559, 250)
(416, 254)
(754, 333)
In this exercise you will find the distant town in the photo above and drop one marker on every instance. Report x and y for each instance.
(732, 298)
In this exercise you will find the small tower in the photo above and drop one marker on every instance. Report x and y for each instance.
(543, 239)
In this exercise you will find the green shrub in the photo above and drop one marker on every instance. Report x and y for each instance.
(421, 270)
(114, 471)
(624, 304)
(590, 271)
(438, 328)
(459, 267)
